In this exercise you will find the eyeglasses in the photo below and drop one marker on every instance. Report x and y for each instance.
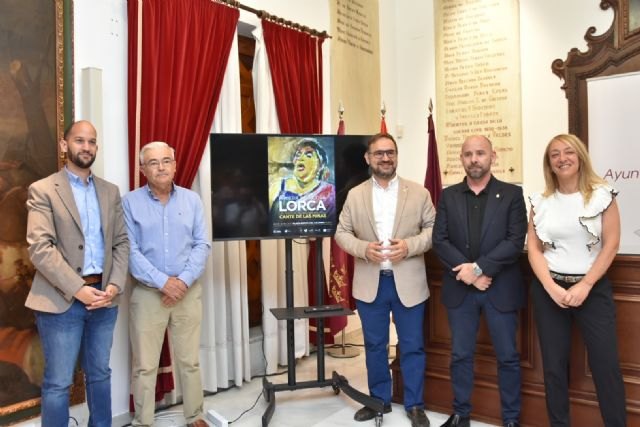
(154, 164)
(381, 153)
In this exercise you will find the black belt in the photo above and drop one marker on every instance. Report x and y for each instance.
(92, 279)
(386, 272)
(567, 278)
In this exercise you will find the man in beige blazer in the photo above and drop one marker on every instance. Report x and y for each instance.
(386, 224)
(79, 247)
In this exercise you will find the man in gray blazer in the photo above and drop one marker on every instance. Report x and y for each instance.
(386, 224)
(79, 247)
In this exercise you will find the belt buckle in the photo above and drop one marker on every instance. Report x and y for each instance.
(567, 278)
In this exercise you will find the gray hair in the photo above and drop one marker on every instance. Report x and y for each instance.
(156, 144)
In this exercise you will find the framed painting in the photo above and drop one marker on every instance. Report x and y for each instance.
(631, 11)
(36, 102)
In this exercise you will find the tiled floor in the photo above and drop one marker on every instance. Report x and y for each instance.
(313, 407)
(316, 407)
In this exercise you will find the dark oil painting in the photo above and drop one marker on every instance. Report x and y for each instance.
(31, 100)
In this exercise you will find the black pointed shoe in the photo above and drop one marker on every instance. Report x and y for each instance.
(418, 417)
(365, 413)
(456, 420)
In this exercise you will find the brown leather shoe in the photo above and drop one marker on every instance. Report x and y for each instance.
(418, 417)
(365, 413)
(198, 423)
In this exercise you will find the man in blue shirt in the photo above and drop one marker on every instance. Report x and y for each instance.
(78, 245)
(169, 248)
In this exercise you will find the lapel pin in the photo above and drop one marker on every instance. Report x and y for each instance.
(498, 196)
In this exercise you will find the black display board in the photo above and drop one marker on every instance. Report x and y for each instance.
(282, 186)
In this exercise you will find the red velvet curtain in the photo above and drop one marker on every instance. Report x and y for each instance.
(178, 52)
(295, 61)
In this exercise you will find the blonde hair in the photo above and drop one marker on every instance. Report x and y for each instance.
(588, 178)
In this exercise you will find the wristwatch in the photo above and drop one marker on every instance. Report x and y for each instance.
(476, 269)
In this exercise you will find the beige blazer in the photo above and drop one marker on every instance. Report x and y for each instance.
(414, 220)
(56, 241)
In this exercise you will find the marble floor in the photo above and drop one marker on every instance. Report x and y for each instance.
(315, 407)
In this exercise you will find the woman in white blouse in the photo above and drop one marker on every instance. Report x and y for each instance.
(574, 233)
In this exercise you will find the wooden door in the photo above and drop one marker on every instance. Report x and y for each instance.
(246, 49)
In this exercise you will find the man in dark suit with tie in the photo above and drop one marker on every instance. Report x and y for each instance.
(478, 235)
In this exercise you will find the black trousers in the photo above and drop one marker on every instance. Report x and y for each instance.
(596, 319)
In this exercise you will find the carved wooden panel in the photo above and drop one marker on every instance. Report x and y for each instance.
(616, 51)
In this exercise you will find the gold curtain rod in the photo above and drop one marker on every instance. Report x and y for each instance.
(262, 14)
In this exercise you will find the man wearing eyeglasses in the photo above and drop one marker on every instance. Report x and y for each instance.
(169, 248)
(386, 224)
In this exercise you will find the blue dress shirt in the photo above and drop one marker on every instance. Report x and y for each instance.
(167, 240)
(89, 209)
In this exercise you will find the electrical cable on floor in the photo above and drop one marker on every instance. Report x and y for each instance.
(347, 344)
(247, 410)
(266, 366)
(161, 415)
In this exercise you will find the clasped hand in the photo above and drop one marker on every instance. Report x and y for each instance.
(395, 251)
(571, 297)
(465, 273)
(94, 298)
(174, 290)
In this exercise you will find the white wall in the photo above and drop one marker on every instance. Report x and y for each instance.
(549, 29)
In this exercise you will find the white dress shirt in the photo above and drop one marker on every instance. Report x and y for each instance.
(385, 201)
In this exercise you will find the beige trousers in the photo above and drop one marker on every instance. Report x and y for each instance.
(148, 321)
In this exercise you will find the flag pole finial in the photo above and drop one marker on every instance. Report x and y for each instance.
(430, 106)
(340, 110)
(383, 109)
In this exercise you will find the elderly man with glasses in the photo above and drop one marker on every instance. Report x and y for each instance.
(169, 248)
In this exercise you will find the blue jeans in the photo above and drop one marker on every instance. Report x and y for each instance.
(464, 321)
(64, 336)
(375, 328)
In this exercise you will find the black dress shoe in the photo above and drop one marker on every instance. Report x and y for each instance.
(418, 417)
(512, 424)
(456, 420)
(365, 413)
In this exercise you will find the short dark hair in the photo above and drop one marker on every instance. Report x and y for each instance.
(379, 136)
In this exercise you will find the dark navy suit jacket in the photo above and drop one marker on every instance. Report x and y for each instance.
(504, 228)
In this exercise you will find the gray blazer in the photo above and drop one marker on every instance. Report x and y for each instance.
(56, 242)
(413, 222)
